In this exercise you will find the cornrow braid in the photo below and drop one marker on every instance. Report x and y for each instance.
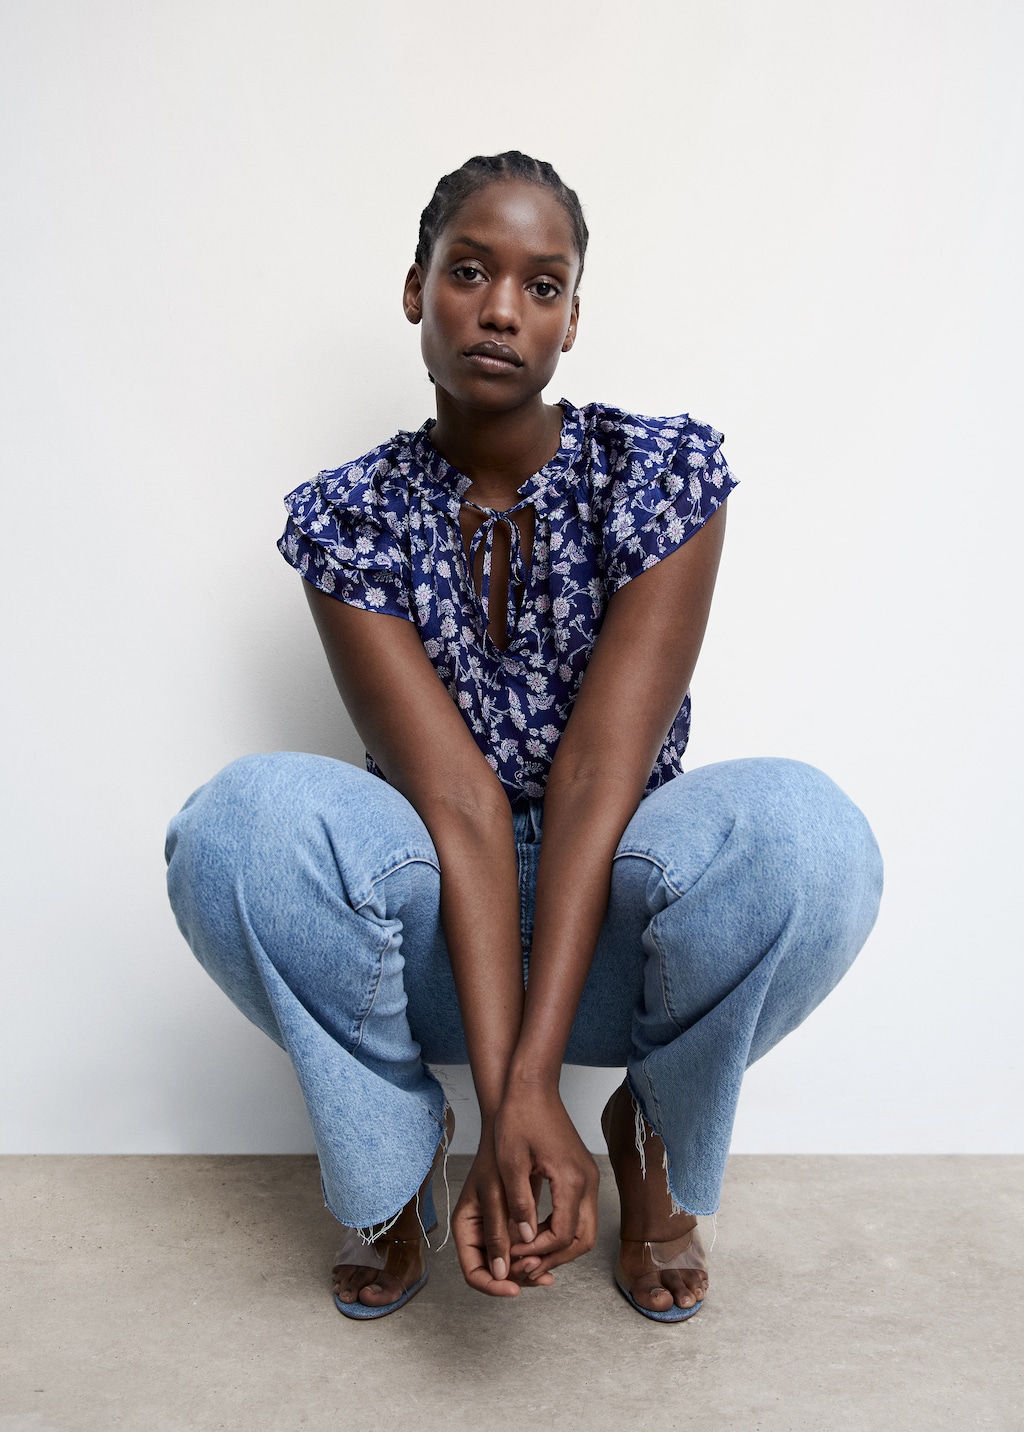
(454, 189)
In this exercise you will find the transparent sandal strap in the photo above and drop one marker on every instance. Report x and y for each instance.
(357, 1250)
(693, 1255)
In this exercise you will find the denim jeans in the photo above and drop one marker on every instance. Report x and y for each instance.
(309, 890)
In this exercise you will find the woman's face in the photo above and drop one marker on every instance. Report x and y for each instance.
(496, 302)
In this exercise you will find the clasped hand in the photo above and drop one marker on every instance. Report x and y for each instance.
(501, 1244)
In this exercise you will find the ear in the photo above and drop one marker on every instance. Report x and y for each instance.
(570, 333)
(412, 296)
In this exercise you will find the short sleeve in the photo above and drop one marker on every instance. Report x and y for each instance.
(343, 542)
(671, 478)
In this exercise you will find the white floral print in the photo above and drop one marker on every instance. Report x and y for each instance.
(382, 533)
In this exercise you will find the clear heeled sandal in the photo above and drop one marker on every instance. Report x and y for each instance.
(360, 1250)
(687, 1251)
(355, 1251)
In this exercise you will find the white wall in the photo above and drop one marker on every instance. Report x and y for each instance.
(807, 230)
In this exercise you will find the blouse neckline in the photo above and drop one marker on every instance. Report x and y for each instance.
(444, 485)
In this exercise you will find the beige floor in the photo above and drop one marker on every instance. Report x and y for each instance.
(186, 1294)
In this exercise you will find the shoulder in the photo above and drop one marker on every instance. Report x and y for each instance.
(653, 482)
(635, 448)
(376, 483)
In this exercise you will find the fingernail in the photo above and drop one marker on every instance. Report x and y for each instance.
(526, 1232)
(529, 1264)
(498, 1269)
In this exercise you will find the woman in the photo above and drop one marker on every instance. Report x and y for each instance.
(533, 879)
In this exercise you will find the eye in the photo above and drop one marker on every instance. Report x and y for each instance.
(467, 272)
(544, 288)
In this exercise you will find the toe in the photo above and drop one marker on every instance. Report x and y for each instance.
(687, 1288)
(351, 1282)
(652, 1296)
(344, 1283)
(380, 1291)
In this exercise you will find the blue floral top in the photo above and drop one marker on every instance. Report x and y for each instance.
(622, 492)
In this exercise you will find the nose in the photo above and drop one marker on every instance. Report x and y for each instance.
(500, 309)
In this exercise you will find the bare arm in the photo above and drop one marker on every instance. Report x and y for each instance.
(410, 724)
(416, 735)
(634, 685)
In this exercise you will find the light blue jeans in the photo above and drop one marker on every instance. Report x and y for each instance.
(309, 890)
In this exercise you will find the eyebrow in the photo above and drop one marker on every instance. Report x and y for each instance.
(472, 244)
(534, 258)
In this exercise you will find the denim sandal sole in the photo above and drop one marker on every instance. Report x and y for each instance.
(362, 1312)
(671, 1315)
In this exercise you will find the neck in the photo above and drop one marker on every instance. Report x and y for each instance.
(497, 451)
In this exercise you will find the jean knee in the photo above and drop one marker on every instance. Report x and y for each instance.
(818, 845)
(775, 813)
(761, 841)
(236, 812)
(290, 817)
(827, 871)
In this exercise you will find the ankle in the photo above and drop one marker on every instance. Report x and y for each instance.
(645, 1229)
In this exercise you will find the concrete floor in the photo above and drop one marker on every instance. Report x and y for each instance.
(186, 1294)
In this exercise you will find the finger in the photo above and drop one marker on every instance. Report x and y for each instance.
(495, 1238)
(567, 1193)
(522, 1206)
(542, 1241)
(470, 1245)
(554, 1260)
(539, 1278)
(478, 1275)
(480, 1226)
(529, 1273)
(515, 1233)
(480, 1279)
(546, 1247)
(546, 1241)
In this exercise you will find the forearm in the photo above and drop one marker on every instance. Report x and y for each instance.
(649, 644)
(584, 817)
(420, 741)
(480, 915)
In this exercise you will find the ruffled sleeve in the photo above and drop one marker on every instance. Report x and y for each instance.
(343, 535)
(668, 476)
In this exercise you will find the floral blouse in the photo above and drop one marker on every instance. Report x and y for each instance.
(622, 492)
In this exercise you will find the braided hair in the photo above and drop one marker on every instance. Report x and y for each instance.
(454, 189)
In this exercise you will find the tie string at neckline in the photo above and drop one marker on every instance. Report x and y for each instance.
(484, 536)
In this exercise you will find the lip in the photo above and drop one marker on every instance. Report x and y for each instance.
(494, 357)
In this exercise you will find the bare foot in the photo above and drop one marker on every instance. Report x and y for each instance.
(646, 1216)
(402, 1247)
(376, 1287)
